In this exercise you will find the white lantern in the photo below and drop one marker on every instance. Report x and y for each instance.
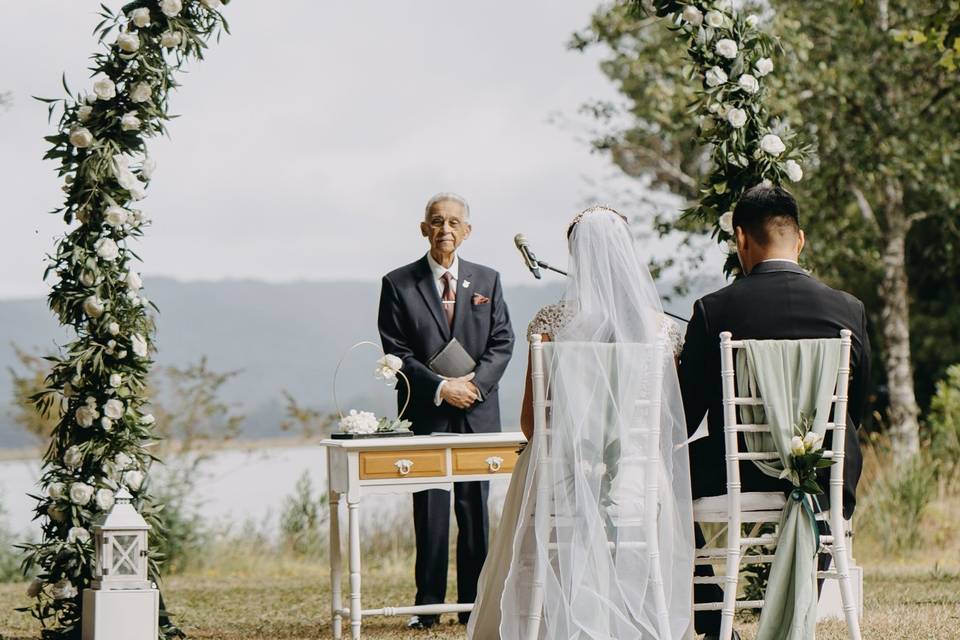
(120, 539)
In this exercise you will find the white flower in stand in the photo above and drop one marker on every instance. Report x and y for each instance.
(113, 408)
(737, 117)
(726, 222)
(128, 42)
(130, 121)
(141, 17)
(763, 66)
(797, 447)
(78, 534)
(147, 168)
(133, 479)
(35, 588)
(116, 380)
(115, 216)
(359, 422)
(113, 328)
(693, 15)
(86, 414)
(812, 441)
(772, 144)
(748, 83)
(63, 590)
(93, 307)
(126, 179)
(213, 5)
(148, 419)
(84, 113)
(133, 280)
(171, 39)
(716, 76)
(140, 92)
(80, 493)
(56, 514)
(107, 249)
(80, 137)
(171, 8)
(104, 88)
(72, 457)
(57, 491)
(104, 499)
(794, 171)
(387, 367)
(139, 345)
(714, 19)
(727, 48)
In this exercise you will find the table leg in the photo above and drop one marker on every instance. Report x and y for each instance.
(353, 508)
(336, 595)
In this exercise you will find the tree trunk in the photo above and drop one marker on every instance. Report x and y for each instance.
(895, 326)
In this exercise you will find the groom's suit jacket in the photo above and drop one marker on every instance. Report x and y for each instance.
(778, 300)
(413, 327)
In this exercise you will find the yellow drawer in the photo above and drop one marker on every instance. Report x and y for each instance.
(484, 460)
(402, 464)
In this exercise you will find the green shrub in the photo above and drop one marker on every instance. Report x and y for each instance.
(893, 509)
(303, 520)
(944, 423)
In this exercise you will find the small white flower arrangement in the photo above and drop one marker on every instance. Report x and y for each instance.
(361, 424)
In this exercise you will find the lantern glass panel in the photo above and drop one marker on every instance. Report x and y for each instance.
(125, 553)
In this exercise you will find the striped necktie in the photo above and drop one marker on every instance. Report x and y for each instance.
(449, 297)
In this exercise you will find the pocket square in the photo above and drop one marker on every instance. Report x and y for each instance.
(479, 298)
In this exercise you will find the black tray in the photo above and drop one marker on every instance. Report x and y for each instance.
(362, 436)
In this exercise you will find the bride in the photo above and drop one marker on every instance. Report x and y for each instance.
(579, 542)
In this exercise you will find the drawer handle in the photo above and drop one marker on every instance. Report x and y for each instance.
(494, 463)
(403, 466)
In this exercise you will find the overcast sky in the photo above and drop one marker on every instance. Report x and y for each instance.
(312, 136)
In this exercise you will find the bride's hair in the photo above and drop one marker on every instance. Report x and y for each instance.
(597, 208)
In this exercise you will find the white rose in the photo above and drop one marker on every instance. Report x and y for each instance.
(752, 20)
(78, 534)
(81, 137)
(724, 5)
(763, 66)
(115, 216)
(84, 113)
(87, 279)
(113, 408)
(714, 19)
(113, 328)
(93, 306)
(737, 117)
(133, 280)
(128, 42)
(359, 422)
(122, 460)
(122, 354)
(727, 48)
(148, 419)
(812, 441)
(171, 39)
(63, 590)
(133, 479)
(141, 92)
(141, 17)
(716, 76)
(171, 8)
(388, 366)
(772, 144)
(57, 490)
(104, 88)
(693, 15)
(213, 5)
(139, 345)
(748, 83)
(797, 447)
(107, 249)
(86, 415)
(126, 179)
(56, 514)
(726, 222)
(35, 588)
(104, 499)
(130, 121)
(80, 493)
(72, 457)
(116, 380)
(147, 168)
(794, 171)
(106, 423)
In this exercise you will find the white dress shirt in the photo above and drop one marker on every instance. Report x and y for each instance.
(438, 271)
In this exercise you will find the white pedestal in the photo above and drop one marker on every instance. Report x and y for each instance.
(121, 615)
(830, 605)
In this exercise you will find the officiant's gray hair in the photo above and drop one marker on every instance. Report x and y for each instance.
(445, 196)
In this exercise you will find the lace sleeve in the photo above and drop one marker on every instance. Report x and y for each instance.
(674, 335)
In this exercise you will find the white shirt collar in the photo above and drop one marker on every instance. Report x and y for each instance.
(438, 269)
(779, 260)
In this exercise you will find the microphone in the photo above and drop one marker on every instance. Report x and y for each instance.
(528, 258)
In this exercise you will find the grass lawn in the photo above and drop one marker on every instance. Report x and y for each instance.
(289, 600)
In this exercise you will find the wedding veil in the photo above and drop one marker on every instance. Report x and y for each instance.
(606, 524)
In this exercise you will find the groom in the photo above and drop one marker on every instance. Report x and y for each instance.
(776, 300)
(422, 307)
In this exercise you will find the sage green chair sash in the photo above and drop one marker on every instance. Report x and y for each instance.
(792, 377)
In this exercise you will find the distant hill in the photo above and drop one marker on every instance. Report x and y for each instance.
(280, 337)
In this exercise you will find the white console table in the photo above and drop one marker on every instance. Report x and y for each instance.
(376, 466)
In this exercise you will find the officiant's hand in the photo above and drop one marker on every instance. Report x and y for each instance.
(459, 392)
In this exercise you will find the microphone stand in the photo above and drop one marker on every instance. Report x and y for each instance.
(544, 265)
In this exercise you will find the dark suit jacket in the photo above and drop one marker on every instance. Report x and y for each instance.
(414, 328)
(778, 300)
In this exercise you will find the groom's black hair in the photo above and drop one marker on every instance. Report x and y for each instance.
(765, 210)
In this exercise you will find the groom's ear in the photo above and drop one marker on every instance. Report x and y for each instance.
(801, 241)
(424, 229)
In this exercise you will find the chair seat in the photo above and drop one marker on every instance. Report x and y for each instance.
(761, 504)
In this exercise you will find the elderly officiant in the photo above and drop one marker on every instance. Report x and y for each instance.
(447, 320)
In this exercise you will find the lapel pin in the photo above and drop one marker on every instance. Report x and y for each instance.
(466, 284)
